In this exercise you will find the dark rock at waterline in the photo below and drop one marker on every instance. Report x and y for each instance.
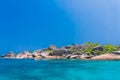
(85, 56)
(72, 56)
(76, 56)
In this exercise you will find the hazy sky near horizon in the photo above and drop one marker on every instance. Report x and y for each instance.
(34, 24)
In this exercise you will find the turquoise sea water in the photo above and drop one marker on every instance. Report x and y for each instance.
(11, 69)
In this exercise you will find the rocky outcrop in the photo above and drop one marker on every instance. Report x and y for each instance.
(60, 53)
(9, 55)
(49, 49)
(85, 51)
(44, 54)
(36, 53)
(39, 54)
(24, 54)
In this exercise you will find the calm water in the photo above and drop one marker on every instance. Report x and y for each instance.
(59, 70)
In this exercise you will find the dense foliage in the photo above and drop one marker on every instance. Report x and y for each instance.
(88, 48)
(109, 48)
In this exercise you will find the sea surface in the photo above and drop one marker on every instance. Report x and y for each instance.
(14, 69)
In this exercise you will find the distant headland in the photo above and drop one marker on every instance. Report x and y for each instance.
(86, 51)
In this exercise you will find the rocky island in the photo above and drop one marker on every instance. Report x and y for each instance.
(87, 51)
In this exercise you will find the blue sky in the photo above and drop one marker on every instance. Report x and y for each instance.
(34, 24)
(95, 20)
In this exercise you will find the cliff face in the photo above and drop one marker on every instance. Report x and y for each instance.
(84, 51)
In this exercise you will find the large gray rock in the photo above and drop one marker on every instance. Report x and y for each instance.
(100, 48)
(44, 55)
(60, 53)
(36, 53)
(52, 47)
(40, 54)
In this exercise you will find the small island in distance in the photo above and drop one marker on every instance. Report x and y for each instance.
(86, 51)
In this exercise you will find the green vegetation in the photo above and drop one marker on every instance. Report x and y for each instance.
(89, 50)
(88, 43)
(109, 48)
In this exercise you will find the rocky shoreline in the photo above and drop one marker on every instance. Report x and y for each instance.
(86, 51)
